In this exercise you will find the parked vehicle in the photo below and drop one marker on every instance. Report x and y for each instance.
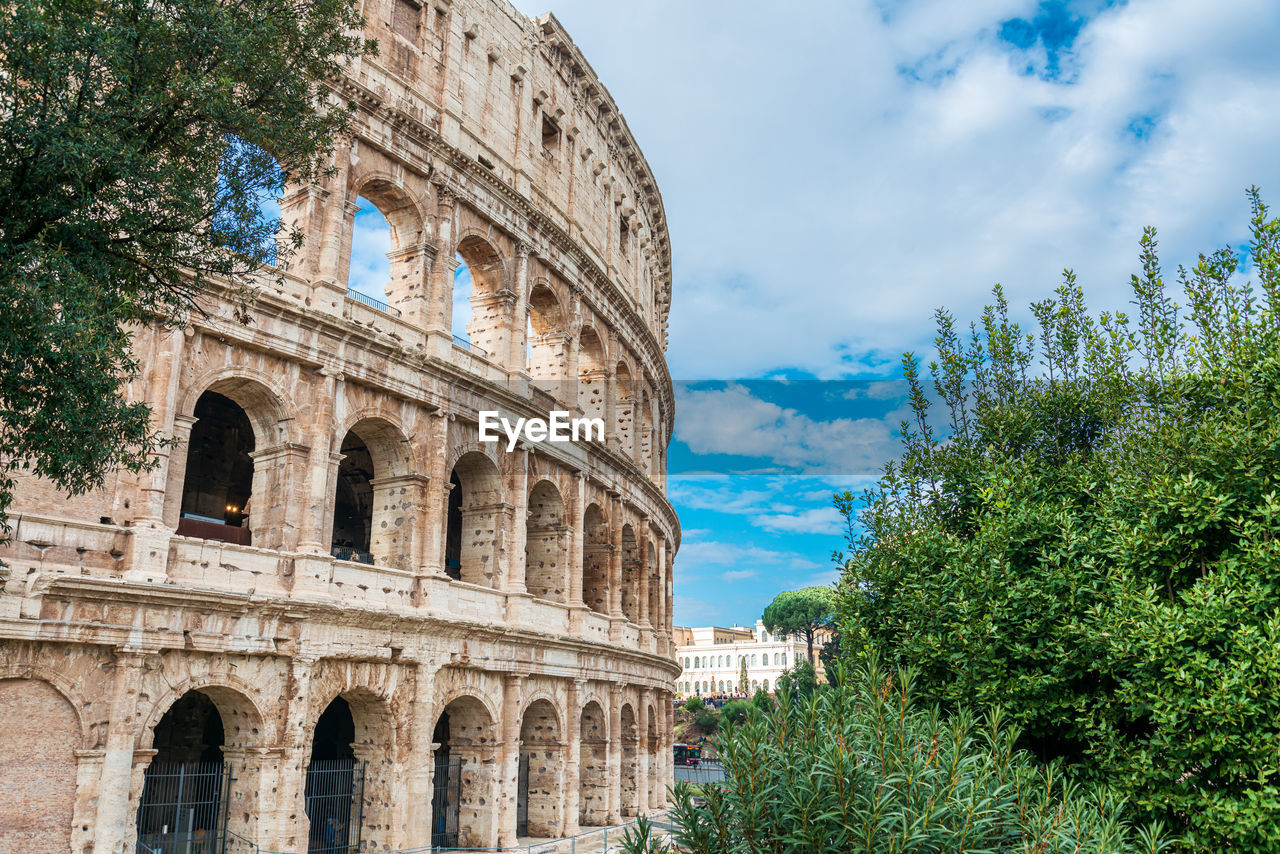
(688, 754)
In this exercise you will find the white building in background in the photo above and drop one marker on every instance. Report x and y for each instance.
(712, 658)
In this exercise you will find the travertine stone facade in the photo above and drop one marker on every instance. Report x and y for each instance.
(327, 566)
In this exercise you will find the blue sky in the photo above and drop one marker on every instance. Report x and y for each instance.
(833, 170)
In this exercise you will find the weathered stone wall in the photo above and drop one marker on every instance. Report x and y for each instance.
(481, 135)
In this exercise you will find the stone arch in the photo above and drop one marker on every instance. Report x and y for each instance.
(592, 373)
(624, 409)
(238, 465)
(40, 732)
(546, 543)
(593, 765)
(401, 281)
(596, 552)
(540, 792)
(202, 733)
(473, 520)
(270, 409)
(481, 281)
(463, 804)
(630, 588)
(630, 770)
(353, 738)
(373, 502)
(547, 347)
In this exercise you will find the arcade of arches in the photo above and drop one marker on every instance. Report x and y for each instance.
(329, 617)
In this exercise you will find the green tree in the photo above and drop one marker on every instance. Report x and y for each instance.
(744, 683)
(1089, 543)
(866, 767)
(801, 679)
(693, 705)
(136, 142)
(802, 613)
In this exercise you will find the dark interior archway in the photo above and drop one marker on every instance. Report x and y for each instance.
(453, 533)
(335, 783)
(219, 474)
(353, 502)
(184, 795)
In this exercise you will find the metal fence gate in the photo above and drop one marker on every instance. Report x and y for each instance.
(184, 808)
(446, 800)
(522, 797)
(335, 805)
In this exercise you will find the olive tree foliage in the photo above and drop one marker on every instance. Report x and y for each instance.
(802, 613)
(864, 766)
(137, 138)
(1091, 543)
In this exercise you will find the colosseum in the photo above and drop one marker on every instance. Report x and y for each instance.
(332, 618)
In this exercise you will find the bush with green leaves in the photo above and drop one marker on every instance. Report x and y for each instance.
(734, 713)
(707, 720)
(693, 705)
(865, 767)
(1091, 542)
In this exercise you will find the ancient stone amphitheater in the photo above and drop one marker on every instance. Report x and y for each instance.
(332, 619)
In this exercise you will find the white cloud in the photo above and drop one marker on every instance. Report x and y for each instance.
(817, 520)
(822, 203)
(739, 574)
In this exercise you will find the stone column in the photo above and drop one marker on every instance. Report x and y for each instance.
(162, 389)
(283, 824)
(615, 753)
(437, 508)
(643, 759)
(518, 530)
(642, 545)
(509, 760)
(415, 815)
(659, 620)
(114, 827)
(515, 360)
(615, 559)
(572, 755)
(400, 502)
(440, 299)
(176, 474)
(573, 583)
(321, 467)
(275, 509)
(335, 217)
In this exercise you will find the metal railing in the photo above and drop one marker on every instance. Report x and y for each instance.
(373, 303)
(587, 842)
(465, 344)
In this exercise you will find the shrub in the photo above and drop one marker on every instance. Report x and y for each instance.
(707, 720)
(735, 713)
(863, 767)
(694, 705)
(762, 700)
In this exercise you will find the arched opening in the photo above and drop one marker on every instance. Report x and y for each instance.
(353, 502)
(593, 767)
(471, 539)
(219, 474)
(369, 273)
(184, 790)
(39, 736)
(629, 771)
(385, 259)
(547, 357)
(656, 616)
(630, 575)
(373, 506)
(462, 804)
(335, 783)
(592, 376)
(624, 410)
(545, 543)
(539, 793)
(481, 299)
(596, 550)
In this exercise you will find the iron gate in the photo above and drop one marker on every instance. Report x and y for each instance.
(446, 799)
(184, 808)
(335, 805)
(522, 797)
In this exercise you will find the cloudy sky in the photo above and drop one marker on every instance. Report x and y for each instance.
(834, 170)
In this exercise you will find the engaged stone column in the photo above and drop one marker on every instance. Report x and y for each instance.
(415, 816)
(615, 753)
(573, 588)
(509, 760)
(642, 754)
(440, 300)
(321, 467)
(283, 825)
(615, 559)
(515, 356)
(115, 824)
(572, 755)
